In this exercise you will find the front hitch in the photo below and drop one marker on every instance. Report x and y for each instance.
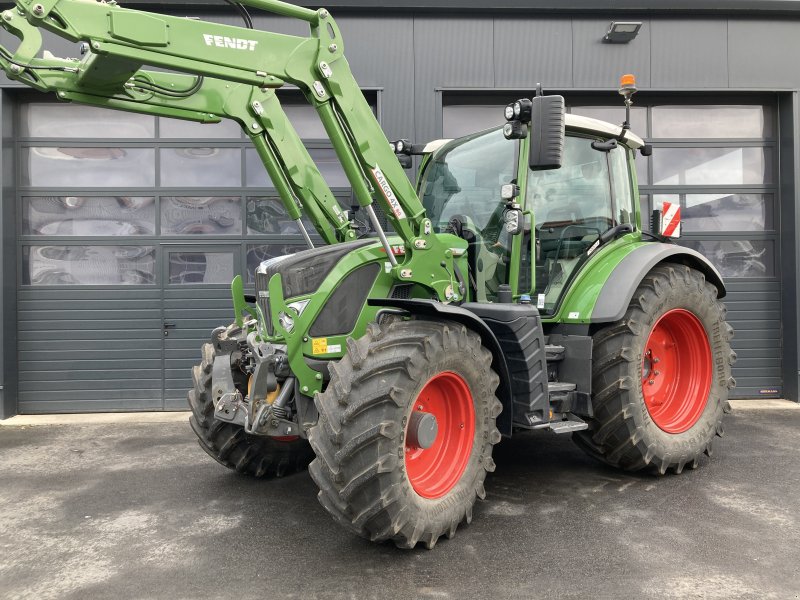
(263, 410)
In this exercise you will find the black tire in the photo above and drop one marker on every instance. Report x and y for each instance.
(623, 433)
(360, 437)
(229, 445)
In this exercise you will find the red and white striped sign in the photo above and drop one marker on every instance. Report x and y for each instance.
(671, 220)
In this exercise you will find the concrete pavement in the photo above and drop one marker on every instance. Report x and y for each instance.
(129, 510)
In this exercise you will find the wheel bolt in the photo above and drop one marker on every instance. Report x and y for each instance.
(651, 382)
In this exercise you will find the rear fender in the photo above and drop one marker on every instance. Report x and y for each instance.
(619, 287)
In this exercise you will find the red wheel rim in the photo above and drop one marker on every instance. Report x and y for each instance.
(676, 371)
(435, 471)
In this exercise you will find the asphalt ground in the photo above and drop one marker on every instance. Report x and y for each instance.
(131, 510)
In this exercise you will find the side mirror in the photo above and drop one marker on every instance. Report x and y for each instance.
(547, 133)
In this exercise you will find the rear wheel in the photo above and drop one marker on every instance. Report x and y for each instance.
(661, 375)
(229, 445)
(406, 429)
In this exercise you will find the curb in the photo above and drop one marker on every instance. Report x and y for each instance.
(97, 418)
(183, 416)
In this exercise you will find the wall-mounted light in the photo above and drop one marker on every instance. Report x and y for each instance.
(622, 32)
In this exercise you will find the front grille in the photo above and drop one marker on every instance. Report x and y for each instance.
(262, 299)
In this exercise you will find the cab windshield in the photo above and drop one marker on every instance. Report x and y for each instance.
(571, 206)
(460, 190)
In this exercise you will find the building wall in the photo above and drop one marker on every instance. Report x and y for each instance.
(412, 56)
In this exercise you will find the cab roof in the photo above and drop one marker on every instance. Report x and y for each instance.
(573, 123)
(589, 125)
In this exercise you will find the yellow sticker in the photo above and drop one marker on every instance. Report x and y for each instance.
(319, 346)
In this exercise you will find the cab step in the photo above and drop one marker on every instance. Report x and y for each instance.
(554, 352)
(559, 387)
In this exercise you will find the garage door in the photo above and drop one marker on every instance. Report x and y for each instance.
(718, 159)
(130, 230)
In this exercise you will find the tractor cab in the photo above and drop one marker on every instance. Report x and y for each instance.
(566, 210)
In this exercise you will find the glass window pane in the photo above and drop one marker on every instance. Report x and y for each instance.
(642, 170)
(257, 254)
(712, 166)
(88, 265)
(722, 212)
(647, 209)
(738, 258)
(712, 122)
(192, 215)
(306, 121)
(200, 267)
(88, 216)
(178, 128)
(75, 121)
(201, 167)
(458, 121)
(325, 159)
(616, 115)
(578, 192)
(623, 198)
(88, 167)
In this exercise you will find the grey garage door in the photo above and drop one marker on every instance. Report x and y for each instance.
(718, 159)
(130, 230)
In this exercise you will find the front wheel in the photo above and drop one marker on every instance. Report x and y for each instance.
(406, 429)
(228, 444)
(661, 375)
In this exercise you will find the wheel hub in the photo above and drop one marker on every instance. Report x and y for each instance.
(422, 430)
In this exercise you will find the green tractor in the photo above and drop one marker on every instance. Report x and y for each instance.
(515, 291)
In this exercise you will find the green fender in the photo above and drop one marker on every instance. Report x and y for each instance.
(605, 285)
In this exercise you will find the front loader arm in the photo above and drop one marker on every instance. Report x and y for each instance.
(210, 100)
(233, 72)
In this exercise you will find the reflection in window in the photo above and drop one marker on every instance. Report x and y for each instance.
(200, 267)
(88, 265)
(88, 167)
(258, 254)
(325, 159)
(712, 121)
(267, 215)
(201, 215)
(738, 258)
(712, 166)
(722, 212)
(59, 120)
(201, 167)
(87, 216)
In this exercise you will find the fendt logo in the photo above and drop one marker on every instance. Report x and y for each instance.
(223, 41)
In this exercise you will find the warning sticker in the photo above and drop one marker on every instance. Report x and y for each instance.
(319, 346)
(387, 192)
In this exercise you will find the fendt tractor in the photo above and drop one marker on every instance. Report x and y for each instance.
(512, 290)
